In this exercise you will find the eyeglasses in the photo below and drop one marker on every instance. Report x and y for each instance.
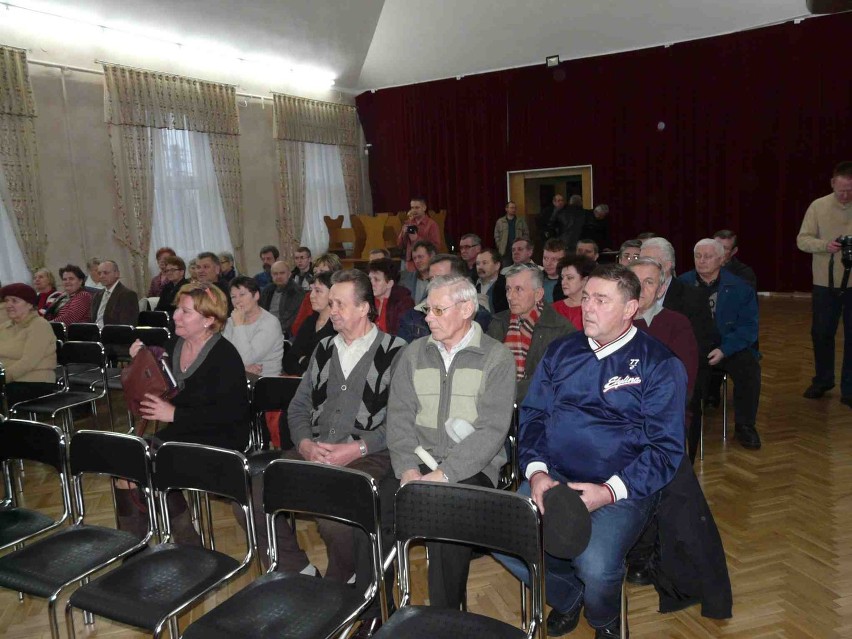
(629, 257)
(437, 311)
(171, 270)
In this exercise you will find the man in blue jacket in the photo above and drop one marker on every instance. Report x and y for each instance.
(604, 413)
(733, 304)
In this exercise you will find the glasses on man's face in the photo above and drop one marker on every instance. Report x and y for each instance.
(171, 270)
(630, 257)
(437, 311)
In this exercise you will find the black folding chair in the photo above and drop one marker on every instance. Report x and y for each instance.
(268, 394)
(283, 604)
(153, 318)
(156, 587)
(32, 441)
(46, 567)
(4, 406)
(84, 332)
(153, 335)
(495, 519)
(60, 330)
(510, 473)
(91, 354)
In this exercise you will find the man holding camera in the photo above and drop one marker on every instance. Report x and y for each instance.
(826, 229)
(419, 226)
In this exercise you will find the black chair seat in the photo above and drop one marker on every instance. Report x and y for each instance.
(41, 569)
(279, 605)
(17, 523)
(93, 379)
(260, 460)
(153, 583)
(423, 622)
(56, 402)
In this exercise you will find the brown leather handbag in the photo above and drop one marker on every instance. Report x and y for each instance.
(144, 375)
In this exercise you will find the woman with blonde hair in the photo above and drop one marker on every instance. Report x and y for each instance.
(45, 286)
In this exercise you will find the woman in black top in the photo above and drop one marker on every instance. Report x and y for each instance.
(175, 271)
(315, 327)
(211, 406)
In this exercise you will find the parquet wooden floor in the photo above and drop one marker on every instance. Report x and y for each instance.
(784, 512)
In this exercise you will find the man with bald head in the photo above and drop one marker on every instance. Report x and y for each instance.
(283, 297)
(115, 303)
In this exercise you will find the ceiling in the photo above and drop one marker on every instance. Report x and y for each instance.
(370, 44)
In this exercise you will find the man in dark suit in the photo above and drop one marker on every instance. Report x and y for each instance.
(567, 224)
(115, 303)
(546, 217)
(491, 283)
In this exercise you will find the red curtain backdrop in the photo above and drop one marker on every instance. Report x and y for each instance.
(754, 123)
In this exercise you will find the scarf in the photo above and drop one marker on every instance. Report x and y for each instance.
(519, 337)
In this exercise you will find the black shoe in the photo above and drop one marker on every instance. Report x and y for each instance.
(846, 400)
(815, 391)
(639, 575)
(747, 436)
(559, 624)
(612, 631)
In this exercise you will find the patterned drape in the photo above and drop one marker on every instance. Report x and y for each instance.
(19, 156)
(291, 188)
(137, 101)
(300, 120)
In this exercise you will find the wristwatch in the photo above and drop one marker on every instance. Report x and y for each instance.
(363, 447)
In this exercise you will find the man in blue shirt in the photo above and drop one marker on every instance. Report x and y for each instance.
(604, 413)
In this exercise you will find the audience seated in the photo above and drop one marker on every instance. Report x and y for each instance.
(159, 281)
(27, 346)
(554, 251)
(574, 271)
(75, 304)
(392, 301)
(417, 281)
(93, 283)
(507, 229)
(470, 245)
(522, 252)
(174, 269)
(317, 326)
(728, 239)
(192, 269)
(629, 251)
(733, 303)
(458, 376)
(338, 416)
(413, 324)
(115, 303)
(530, 325)
(283, 297)
(418, 226)
(491, 284)
(45, 287)
(227, 267)
(379, 253)
(326, 263)
(268, 256)
(303, 272)
(254, 331)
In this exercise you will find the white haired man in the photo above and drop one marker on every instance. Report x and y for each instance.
(733, 304)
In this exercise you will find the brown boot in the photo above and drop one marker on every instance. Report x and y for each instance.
(183, 532)
(130, 518)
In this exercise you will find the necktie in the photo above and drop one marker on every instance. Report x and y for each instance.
(102, 308)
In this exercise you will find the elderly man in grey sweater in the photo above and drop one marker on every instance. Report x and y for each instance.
(457, 380)
(338, 417)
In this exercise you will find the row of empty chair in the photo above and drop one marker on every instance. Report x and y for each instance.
(150, 589)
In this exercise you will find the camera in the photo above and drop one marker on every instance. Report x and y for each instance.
(411, 229)
(845, 242)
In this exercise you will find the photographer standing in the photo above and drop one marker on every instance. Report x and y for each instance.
(419, 226)
(826, 228)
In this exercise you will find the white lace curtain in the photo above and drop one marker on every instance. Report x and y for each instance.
(13, 266)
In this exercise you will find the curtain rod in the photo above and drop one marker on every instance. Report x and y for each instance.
(124, 66)
(71, 67)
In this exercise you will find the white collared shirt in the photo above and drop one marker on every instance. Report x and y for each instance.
(350, 354)
(448, 355)
(99, 319)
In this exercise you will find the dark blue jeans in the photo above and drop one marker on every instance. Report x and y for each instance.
(594, 578)
(827, 307)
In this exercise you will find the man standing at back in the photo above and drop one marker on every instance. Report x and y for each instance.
(827, 219)
(418, 226)
(507, 229)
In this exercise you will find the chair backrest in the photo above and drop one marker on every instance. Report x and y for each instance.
(23, 439)
(183, 466)
(496, 519)
(153, 318)
(59, 330)
(116, 454)
(273, 393)
(84, 332)
(4, 406)
(343, 494)
(153, 335)
(82, 353)
(117, 335)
